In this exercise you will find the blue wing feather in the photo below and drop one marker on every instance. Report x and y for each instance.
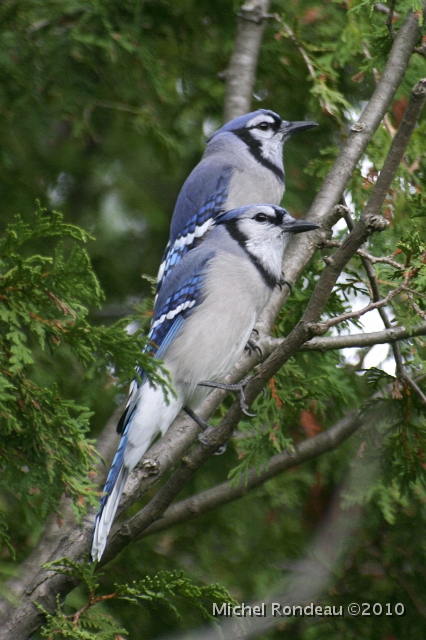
(172, 312)
(182, 292)
(192, 215)
(116, 474)
(116, 465)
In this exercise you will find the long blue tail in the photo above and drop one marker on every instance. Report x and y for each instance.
(113, 490)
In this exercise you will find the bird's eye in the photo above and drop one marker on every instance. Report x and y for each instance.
(261, 217)
(264, 126)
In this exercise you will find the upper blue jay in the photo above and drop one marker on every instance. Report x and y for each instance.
(202, 320)
(242, 165)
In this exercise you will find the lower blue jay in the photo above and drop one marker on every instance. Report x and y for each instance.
(203, 318)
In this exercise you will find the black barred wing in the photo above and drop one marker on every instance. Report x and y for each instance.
(169, 315)
(190, 232)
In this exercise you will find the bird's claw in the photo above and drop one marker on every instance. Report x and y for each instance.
(252, 346)
(203, 439)
(238, 388)
(243, 404)
(282, 281)
(221, 450)
(206, 430)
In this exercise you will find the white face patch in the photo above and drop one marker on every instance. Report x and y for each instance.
(272, 148)
(270, 140)
(265, 240)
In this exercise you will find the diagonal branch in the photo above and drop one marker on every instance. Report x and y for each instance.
(301, 249)
(227, 492)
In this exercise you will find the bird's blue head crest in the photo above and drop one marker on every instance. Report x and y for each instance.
(241, 121)
(233, 214)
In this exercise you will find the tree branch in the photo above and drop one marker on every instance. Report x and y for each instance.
(322, 210)
(333, 343)
(382, 302)
(241, 73)
(227, 492)
(390, 19)
(380, 259)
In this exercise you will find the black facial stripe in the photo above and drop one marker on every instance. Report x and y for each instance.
(278, 220)
(255, 147)
(235, 232)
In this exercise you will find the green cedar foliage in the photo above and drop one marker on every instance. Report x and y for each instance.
(45, 451)
(164, 592)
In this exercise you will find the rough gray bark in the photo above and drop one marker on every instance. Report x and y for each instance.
(241, 72)
(331, 343)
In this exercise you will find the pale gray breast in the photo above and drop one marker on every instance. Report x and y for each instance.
(214, 337)
(252, 183)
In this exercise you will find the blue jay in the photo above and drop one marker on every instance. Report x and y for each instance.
(203, 317)
(242, 165)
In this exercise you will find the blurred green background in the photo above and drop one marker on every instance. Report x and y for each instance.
(105, 107)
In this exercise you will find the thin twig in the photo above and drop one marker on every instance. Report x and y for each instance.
(118, 106)
(380, 260)
(390, 18)
(332, 322)
(302, 51)
(382, 8)
(75, 617)
(415, 306)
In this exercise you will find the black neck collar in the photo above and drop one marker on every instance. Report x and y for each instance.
(255, 148)
(235, 233)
